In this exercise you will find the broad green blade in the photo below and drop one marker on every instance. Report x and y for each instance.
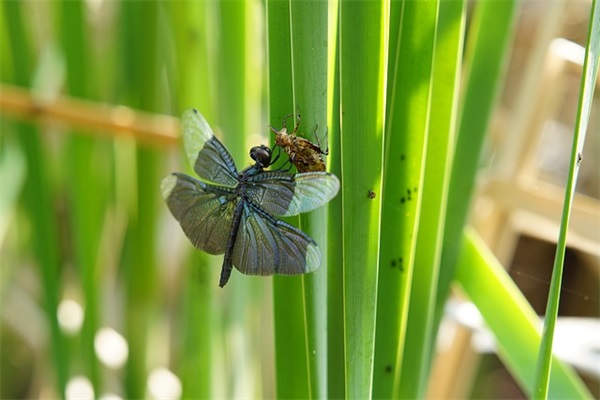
(489, 37)
(90, 160)
(197, 333)
(37, 196)
(413, 29)
(336, 378)
(511, 319)
(239, 83)
(141, 66)
(310, 82)
(363, 65)
(419, 343)
(291, 359)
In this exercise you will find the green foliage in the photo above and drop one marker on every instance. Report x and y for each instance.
(510, 317)
(417, 351)
(196, 330)
(379, 83)
(362, 89)
(37, 192)
(589, 75)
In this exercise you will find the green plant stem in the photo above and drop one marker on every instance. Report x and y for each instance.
(408, 103)
(309, 42)
(37, 197)
(363, 64)
(291, 360)
(418, 345)
(141, 27)
(511, 318)
(490, 34)
(588, 80)
(188, 21)
(84, 165)
(239, 102)
(336, 380)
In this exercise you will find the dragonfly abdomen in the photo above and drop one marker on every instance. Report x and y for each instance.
(233, 232)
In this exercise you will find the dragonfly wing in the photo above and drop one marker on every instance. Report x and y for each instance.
(284, 194)
(204, 211)
(209, 157)
(268, 246)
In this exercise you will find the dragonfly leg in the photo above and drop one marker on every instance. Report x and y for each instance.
(290, 162)
(276, 157)
(283, 167)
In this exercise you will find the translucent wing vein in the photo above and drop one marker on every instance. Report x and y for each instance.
(283, 194)
(204, 211)
(267, 246)
(207, 155)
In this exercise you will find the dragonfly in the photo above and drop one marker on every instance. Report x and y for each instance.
(235, 213)
(304, 154)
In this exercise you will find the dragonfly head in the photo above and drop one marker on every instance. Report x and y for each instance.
(262, 155)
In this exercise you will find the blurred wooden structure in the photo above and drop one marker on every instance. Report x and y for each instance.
(516, 196)
(514, 200)
(99, 118)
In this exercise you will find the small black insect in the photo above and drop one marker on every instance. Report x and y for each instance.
(233, 212)
(371, 194)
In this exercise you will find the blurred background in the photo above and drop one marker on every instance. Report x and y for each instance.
(520, 196)
(90, 95)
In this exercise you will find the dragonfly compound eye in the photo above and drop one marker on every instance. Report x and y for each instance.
(262, 155)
